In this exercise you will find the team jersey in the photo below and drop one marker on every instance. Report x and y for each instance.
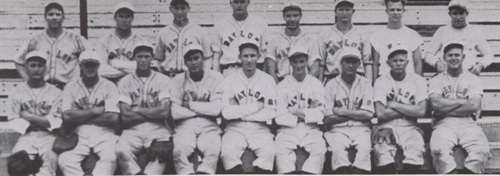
(461, 87)
(44, 101)
(384, 39)
(76, 96)
(62, 64)
(358, 97)
(229, 34)
(118, 53)
(332, 40)
(171, 40)
(470, 36)
(302, 95)
(411, 91)
(278, 49)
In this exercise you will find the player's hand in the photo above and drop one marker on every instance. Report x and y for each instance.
(25, 115)
(476, 69)
(260, 105)
(186, 100)
(440, 67)
(340, 111)
(315, 104)
(391, 97)
(391, 104)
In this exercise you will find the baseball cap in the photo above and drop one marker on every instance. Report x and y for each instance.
(123, 5)
(191, 47)
(297, 50)
(249, 43)
(37, 55)
(350, 53)
(347, 2)
(452, 44)
(397, 48)
(89, 56)
(141, 45)
(458, 3)
(179, 2)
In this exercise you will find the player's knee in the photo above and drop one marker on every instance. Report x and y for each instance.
(480, 153)
(107, 156)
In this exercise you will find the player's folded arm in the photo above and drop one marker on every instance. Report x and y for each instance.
(263, 115)
(333, 119)
(129, 118)
(36, 119)
(232, 112)
(412, 111)
(385, 114)
(159, 113)
(359, 114)
(444, 105)
(179, 112)
(472, 105)
(107, 119)
(79, 117)
(212, 108)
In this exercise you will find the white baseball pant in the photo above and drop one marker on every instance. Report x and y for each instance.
(341, 138)
(411, 141)
(39, 142)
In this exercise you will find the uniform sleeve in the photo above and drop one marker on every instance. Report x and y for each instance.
(124, 92)
(475, 86)
(417, 41)
(314, 49)
(67, 97)
(230, 111)
(435, 86)
(432, 50)
(315, 115)
(15, 121)
(381, 91)
(267, 113)
(20, 58)
(329, 98)
(55, 117)
(160, 47)
(366, 51)
(165, 90)
(421, 93)
(283, 117)
(321, 48)
(216, 39)
(205, 42)
(484, 48)
(178, 112)
(112, 99)
(367, 102)
(373, 41)
(271, 50)
(217, 90)
(84, 44)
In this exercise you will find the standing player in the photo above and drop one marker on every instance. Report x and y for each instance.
(90, 104)
(472, 37)
(231, 32)
(300, 104)
(145, 107)
(344, 34)
(197, 100)
(248, 102)
(396, 33)
(349, 109)
(400, 99)
(456, 95)
(63, 48)
(175, 36)
(277, 55)
(116, 48)
(35, 113)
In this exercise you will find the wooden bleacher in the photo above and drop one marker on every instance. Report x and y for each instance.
(20, 19)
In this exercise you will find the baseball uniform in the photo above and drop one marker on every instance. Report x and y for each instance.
(62, 64)
(297, 132)
(332, 40)
(384, 39)
(170, 43)
(247, 121)
(144, 92)
(278, 50)
(101, 139)
(350, 133)
(197, 127)
(118, 54)
(35, 139)
(454, 130)
(411, 90)
(471, 37)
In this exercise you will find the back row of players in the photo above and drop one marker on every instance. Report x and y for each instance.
(247, 97)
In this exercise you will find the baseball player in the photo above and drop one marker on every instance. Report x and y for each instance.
(197, 102)
(396, 33)
(117, 47)
(344, 34)
(175, 36)
(400, 99)
(145, 107)
(349, 109)
(277, 54)
(90, 104)
(472, 37)
(248, 102)
(456, 97)
(63, 48)
(300, 107)
(35, 113)
(231, 32)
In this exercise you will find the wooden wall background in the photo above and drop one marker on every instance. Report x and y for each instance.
(20, 19)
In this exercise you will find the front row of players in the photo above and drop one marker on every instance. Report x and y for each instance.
(248, 101)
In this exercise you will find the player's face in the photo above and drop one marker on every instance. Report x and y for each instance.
(124, 20)
(398, 63)
(89, 69)
(54, 18)
(299, 63)
(249, 58)
(454, 58)
(395, 11)
(458, 18)
(194, 62)
(292, 19)
(349, 66)
(180, 12)
(344, 13)
(143, 59)
(239, 6)
(36, 69)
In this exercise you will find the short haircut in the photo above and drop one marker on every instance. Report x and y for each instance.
(54, 5)
(248, 45)
(125, 10)
(292, 7)
(191, 52)
(143, 48)
(179, 2)
(387, 2)
(397, 52)
(451, 46)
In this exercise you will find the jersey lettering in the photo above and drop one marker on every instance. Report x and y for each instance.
(233, 36)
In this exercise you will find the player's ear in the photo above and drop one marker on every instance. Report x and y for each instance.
(353, 10)
(170, 8)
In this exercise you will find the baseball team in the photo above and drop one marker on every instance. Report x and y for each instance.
(236, 89)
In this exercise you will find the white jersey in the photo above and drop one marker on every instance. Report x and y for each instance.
(76, 96)
(461, 87)
(118, 53)
(332, 40)
(229, 34)
(301, 95)
(62, 64)
(171, 40)
(411, 91)
(384, 39)
(278, 49)
(470, 36)
(44, 101)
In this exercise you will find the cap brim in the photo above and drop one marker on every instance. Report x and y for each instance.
(350, 56)
(89, 61)
(36, 58)
(298, 54)
(344, 2)
(191, 51)
(457, 6)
